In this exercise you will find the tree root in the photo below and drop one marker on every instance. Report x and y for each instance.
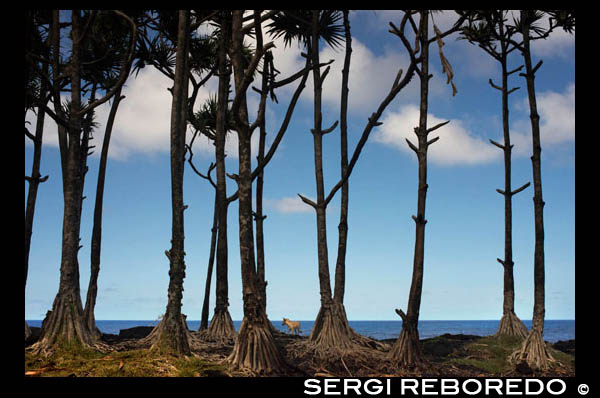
(255, 351)
(534, 352)
(406, 352)
(220, 329)
(331, 328)
(511, 325)
(64, 326)
(353, 361)
(170, 335)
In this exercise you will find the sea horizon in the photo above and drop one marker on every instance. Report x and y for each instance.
(554, 329)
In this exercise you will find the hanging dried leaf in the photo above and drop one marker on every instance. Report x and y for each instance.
(446, 67)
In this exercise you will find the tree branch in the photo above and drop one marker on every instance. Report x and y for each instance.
(432, 141)
(494, 86)
(515, 70)
(124, 70)
(437, 126)
(308, 201)
(412, 146)
(516, 191)
(402, 314)
(498, 145)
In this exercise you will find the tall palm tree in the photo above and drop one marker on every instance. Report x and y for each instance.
(254, 348)
(534, 350)
(407, 352)
(487, 28)
(36, 89)
(65, 322)
(308, 27)
(109, 44)
(221, 325)
(172, 333)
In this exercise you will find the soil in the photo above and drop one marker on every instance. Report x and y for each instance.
(447, 355)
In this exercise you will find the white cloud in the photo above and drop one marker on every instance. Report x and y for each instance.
(558, 44)
(142, 123)
(371, 75)
(289, 205)
(557, 120)
(455, 146)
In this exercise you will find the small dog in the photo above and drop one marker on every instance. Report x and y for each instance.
(293, 327)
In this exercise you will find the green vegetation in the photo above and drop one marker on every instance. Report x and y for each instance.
(82, 362)
(489, 355)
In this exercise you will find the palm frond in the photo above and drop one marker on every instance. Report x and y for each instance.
(295, 25)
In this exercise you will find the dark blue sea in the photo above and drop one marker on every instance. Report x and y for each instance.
(554, 330)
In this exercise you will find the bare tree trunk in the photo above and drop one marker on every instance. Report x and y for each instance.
(259, 217)
(65, 323)
(331, 327)
(221, 325)
(255, 347)
(534, 350)
(510, 324)
(62, 133)
(340, 266)
(92, 292)
(407, 350)
(211, 262)
(172, 333)
(34, 181)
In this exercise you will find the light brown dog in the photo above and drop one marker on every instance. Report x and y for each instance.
(293, 326)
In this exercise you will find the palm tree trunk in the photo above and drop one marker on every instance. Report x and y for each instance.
(340, 266)
(407, 350)
(255, 347)
(331, 327)
(92, 292)
(221, 325)
(34, 182)
(172, 333)
(259, 217)
(510, 324)
(534, 350)
(65, 322)
(209, 272)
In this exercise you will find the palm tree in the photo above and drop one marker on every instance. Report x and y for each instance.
(221, 325)
(65, 322)
(36, 89)
(254, 348)
(331, 328)
(172, 333)
(534, 350)
(406, 352)
(487, 28)
(108, 43)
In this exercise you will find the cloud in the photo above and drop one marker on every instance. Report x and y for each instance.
(558, 44)
(289, 205)
(371, 75)
(557, 120)
(455, 146)
(143, 120)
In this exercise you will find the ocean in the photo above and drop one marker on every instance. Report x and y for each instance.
(554, 330)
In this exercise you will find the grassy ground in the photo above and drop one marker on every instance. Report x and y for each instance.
(132, 363)
(447, 355)
(488, 356)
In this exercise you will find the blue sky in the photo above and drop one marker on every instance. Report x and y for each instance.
(465, 229)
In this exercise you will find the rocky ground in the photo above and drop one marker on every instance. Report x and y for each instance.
(446, 356)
